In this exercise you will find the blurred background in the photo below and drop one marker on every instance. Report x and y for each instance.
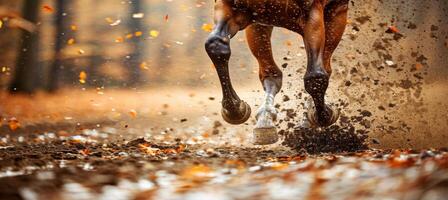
(91, 62)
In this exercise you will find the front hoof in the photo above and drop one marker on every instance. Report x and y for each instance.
(331, 116)
(265, 136)
(238, 116)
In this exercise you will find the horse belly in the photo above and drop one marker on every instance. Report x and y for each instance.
(281, 13)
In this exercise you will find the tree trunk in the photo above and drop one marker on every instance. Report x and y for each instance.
(60, 38)
(26, 70)
(137, 45)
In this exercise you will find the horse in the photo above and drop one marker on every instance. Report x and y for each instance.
(321, 23)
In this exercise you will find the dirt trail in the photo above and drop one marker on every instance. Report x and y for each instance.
(189, 153)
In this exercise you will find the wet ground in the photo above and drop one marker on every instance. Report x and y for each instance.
(170, 152)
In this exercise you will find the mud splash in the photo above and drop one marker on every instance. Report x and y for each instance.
(333, 139)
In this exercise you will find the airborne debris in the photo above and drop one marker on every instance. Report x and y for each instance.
(207, 27)
(82, 77)
(154, 33)
(113, 22)
(133, 113)
(71, 41)
(138, 15)
(48, 8)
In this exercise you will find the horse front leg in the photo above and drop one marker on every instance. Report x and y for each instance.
(227, 24)
(318, 70)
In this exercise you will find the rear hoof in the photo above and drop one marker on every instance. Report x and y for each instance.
(238, 117)
(313, 120)
(265, 136)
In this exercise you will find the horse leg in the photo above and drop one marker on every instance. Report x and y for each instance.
(259, 40)
(321, 36)
(227, 24)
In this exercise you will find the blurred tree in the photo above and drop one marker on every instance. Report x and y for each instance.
(135, 59)
(61, 36)
(26, 71)
(164, 59)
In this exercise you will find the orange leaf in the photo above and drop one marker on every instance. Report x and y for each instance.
(138, 34)
(279, 166)
(13, 124)
(119, 39)
(71, 41)
(144, 66)
(48, 8)
(196, 171)
(418, 66)
(133, 113)
(85, 152)
(392, 29)
(207, 27)
(82, 77)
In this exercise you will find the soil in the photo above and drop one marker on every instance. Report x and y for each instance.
(86, 166)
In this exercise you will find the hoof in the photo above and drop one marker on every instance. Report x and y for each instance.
(239, 117)
(265, 136)
(314, 122)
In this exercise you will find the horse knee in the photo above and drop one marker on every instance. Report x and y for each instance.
(316, 82)
(218, 47)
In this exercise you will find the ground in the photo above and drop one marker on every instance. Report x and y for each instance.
(107, 144)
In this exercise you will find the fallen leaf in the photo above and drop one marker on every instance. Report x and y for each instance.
(148, 149)
(82, 77)
(207, 27)
(85, 152)
(279, 166)
(392, 29)
(196, 172)
(205, 135)
(418, 66)
(181, 148)
(74, 27)
(13, 124)
(133, 113)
